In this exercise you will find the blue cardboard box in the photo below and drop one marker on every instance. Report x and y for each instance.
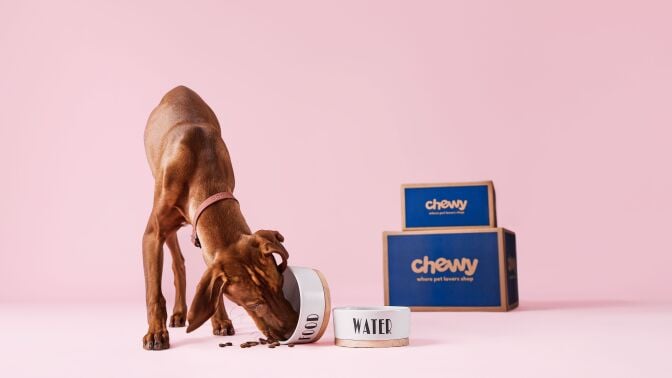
(436, 206)
(451, 270)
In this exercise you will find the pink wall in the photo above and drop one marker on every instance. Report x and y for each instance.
(326, 110)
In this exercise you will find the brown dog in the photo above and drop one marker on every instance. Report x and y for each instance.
(190, 163)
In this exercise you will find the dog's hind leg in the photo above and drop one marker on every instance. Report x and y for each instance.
(179, 316)
(221, 324)
(152, 258)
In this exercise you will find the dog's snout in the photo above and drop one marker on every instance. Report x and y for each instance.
(287, 334)
(280, 334)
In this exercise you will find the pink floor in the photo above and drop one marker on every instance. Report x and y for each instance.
(540, 339)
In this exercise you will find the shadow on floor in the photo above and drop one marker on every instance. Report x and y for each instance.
(414, 342)
(536, 305)
(192, 340)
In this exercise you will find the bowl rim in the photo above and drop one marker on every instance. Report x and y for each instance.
(327, 305)
(326, 295)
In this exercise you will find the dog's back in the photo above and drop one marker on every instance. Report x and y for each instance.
(184, 147)
(182, 132)
(179, 111)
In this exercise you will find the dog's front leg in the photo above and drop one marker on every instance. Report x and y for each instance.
(221, 324)
(180, 309)
(152, 257)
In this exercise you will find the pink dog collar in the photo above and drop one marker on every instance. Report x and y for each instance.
(221, 196)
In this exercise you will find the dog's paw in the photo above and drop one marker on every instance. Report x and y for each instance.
(177, 320)
(222, 327)
(156, 340)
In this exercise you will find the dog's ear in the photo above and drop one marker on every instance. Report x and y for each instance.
(270, 242)
(208, 293)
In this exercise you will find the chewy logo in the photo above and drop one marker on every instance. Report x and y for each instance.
(435, 204)
(424, 265)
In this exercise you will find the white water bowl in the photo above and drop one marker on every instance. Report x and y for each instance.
(307, 291)
(372, 327)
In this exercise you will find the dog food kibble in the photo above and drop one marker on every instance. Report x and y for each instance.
(269, 342)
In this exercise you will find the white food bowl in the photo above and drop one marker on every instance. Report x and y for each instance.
(372, 327)
(307, 291)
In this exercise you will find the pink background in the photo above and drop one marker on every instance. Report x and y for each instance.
(326, 110)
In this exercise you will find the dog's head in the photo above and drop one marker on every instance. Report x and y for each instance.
(248, 275)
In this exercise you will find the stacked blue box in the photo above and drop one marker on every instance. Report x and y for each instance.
(437, 206)
(451, 270)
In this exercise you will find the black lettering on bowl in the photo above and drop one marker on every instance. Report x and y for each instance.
(310, 325)
(308, 332)
(313, 318)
